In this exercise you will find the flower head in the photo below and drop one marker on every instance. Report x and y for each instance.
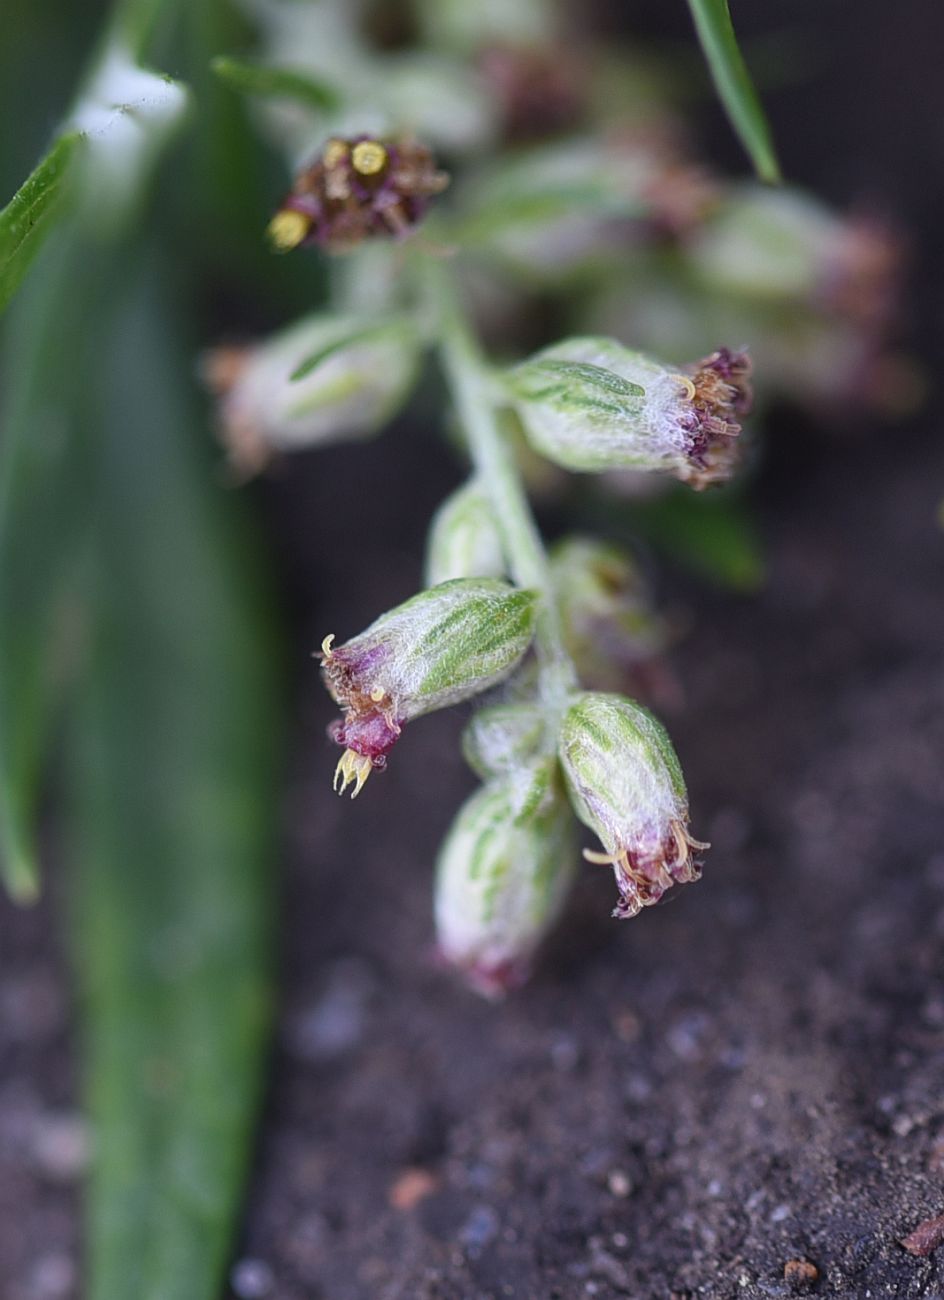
(443, 646)
(592, 404)
(357, 189)
(502, 876)
(625, 783)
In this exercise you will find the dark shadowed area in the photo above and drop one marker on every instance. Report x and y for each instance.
(740, 1094)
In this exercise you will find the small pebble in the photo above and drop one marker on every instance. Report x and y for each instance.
(800, 1271)
(926, 1237)
(252, 1279)
(619, 1183)
(411, 1187)
(480, 1227)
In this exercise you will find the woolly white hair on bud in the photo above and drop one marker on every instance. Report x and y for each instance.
(463, 538)
(503, 875)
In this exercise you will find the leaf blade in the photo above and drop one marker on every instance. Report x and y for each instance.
(29, 217)
(733, 83)
(273, 82)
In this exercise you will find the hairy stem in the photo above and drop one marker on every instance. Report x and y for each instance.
(469, 379)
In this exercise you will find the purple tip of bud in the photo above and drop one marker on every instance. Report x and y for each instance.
(370, 733)
(721, 395)
(360, 188)
(492, 980)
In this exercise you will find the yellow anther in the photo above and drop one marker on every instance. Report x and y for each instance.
(377, 694)
(326, 646)
(687, 384)
(353, 769)
(287, 230)
(334, 153)
(368, 157)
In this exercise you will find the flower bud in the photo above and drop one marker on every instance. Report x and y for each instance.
(502, 738)
(357, 189)
(783, 245)
(324, 379)
(592, 404)
(503, 875)
(463, 539)
(440, 647)
(610, 629)
(626, 784)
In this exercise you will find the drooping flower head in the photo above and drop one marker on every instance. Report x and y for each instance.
(440, 647)
(503, 874)
(357, 189)
(626, 784)
(592, 404)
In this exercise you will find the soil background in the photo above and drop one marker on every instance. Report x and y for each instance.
(677, 1106)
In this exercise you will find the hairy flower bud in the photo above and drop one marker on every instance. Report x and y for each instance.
(357, 189)
(503, 738)
(626, 784)
(592, 404)
(463, 538)
(503, 875)
(324, 379)
(440, 647)
(610, 629)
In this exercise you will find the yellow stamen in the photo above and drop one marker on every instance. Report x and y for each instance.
(690, 389)
(368, 157)
(603, 859)
(352, 768)
(377, 694)
(326, 646)
(334, 153)
(287, 230)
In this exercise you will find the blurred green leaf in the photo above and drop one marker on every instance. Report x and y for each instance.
(174, 786)
(49, 354)
(280, 83)
(733, 84)
(711, 533)
(31, 215)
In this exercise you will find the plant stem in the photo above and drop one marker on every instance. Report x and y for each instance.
(469, 378)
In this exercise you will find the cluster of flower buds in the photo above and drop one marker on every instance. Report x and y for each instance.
(325, 379)
(442, 646)
(355, 190)
(591, 404)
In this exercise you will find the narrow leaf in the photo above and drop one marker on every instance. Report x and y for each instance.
(49, 353)
(174, 794)
(31, 215)
(733, 84)
(280, 83)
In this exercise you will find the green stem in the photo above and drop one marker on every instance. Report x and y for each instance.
(469, 378)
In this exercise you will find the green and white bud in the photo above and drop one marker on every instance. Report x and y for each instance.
(592, 404)
(626, 784)
(503, 874)
(325, 379)
(502, 738)
(442, 646)
(610, 628)
(463, 538)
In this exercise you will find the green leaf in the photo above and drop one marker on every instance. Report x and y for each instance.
(49, 353)
(733, 83)
(31, 215)
(279, 83)
(174, 778)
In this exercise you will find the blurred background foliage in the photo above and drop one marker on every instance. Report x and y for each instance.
(138, 640)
